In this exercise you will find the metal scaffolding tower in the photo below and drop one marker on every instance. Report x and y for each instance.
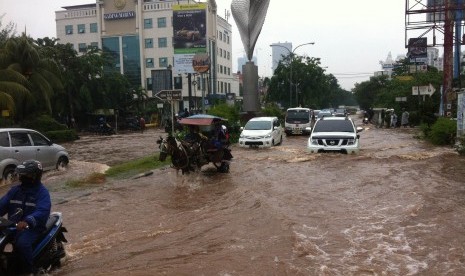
(430, 19)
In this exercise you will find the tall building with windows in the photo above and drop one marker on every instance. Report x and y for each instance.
(152, 42)
(278, 53)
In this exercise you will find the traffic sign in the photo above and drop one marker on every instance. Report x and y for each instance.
(423, 90)
(169, 95)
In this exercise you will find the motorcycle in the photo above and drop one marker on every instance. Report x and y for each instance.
(189, 155)
(48, 250)
(365, 120)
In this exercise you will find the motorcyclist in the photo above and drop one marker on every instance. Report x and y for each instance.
(33, 198)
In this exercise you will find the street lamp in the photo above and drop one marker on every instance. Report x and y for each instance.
(291, 54)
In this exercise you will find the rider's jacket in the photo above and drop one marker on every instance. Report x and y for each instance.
(34, 200)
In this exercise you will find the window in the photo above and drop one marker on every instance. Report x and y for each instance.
(81, 28)
(20, 139)
(94, 45)
(39, 140)
(149, 83)
(93, 27)
(82, 47)
(149, 63)
(221, 36)
(163, 61)
(69, 29)
(162, 42)
(148, 23)
(4, 140)
(149, 43)
(161, 22)
(229, 55)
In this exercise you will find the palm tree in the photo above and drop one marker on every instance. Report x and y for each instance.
(42, 74)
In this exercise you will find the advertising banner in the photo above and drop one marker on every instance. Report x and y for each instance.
(189, 35)
(417, 49)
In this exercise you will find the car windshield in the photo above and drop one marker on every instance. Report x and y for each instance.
(334, 126)
(258, 125)
(302, 116)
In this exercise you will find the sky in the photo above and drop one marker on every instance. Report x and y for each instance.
(351, 37)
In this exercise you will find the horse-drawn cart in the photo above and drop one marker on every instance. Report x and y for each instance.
(207, 141)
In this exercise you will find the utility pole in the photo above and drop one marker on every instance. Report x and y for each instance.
(448, 53)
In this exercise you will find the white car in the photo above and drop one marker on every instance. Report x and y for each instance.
(261, 132)
(21, 144)
(334, 134)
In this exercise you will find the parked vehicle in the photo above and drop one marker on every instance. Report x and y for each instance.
(332, 134)
(21, 144)
(261, 132)
(47, 252)
(298, 120)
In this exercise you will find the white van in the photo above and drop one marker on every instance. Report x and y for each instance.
(261, 132)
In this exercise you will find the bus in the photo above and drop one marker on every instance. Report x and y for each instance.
(298, 121)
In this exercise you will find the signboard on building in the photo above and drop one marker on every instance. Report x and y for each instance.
(189, 35)
(201, 62)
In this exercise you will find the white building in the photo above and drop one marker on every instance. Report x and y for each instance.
(141, 36)
(278, 52)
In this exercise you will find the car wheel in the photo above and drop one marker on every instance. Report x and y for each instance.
(8, 175)
(62, 163)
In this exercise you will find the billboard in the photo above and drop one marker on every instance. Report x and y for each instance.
(189, 35)
(418, 49)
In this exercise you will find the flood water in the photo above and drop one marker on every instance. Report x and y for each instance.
(396, 208)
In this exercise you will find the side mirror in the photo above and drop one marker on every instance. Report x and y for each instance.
(308, 129)
(241, 128)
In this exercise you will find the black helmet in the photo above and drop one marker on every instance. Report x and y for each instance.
(29, 169)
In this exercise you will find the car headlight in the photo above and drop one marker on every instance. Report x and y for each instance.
(351, 142)
(241, 136)
(268, 135)
(314, 142)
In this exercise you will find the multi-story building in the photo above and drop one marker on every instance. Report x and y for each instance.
(152, 42)
(279, 52)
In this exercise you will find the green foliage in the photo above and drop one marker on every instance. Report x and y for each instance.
(134, 167)
(60, 136)
(443, 132)
(231, 113)
(44, 123)
(273, 110)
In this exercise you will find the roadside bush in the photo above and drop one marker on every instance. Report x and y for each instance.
(52, 129)
(443, 132)
(44, 123)
(60, 136)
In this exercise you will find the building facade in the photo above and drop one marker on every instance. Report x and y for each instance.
(148, 50)
(278, 52)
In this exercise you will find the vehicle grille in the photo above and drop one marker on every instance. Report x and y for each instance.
(253, 143)
(332, 142)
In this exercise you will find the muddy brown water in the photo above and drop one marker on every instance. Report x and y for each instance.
(396, 208)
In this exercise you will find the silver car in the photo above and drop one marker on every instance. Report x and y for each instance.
(20, 144)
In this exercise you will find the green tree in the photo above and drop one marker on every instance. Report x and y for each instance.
(311, 86)
(42, 74)
(7, 31)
